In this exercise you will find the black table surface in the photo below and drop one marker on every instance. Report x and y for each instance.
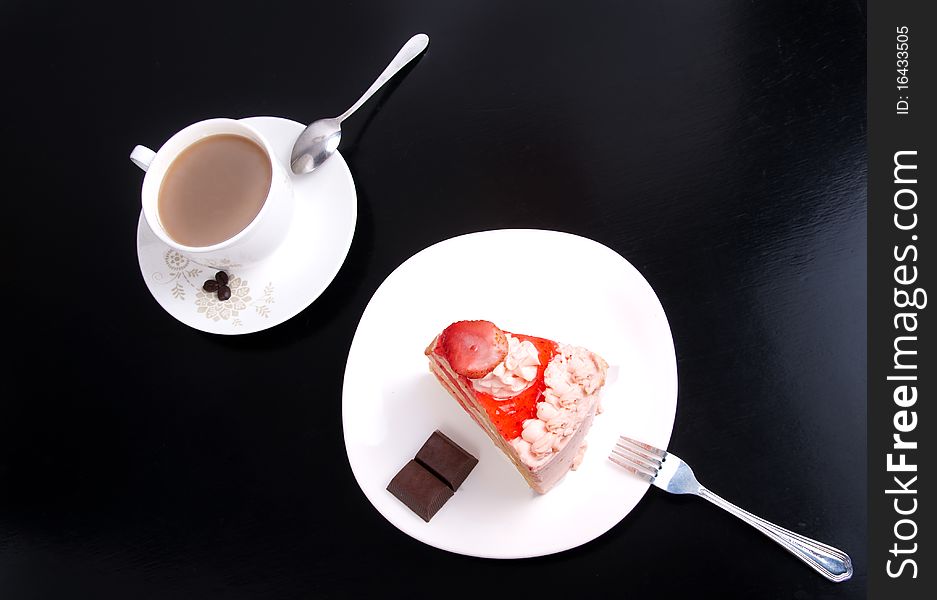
(718, 146)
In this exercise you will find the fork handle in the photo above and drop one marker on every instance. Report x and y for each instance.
(830, 562)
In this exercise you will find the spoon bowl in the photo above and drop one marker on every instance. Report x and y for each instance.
(315, 145)
(320, 139)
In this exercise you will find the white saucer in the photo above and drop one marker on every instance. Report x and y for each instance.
(572, 290)
(270, 292)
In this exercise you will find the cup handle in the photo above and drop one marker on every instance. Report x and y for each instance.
(142, 157)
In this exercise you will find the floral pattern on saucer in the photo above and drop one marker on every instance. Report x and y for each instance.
(184, 274)
(182, 271)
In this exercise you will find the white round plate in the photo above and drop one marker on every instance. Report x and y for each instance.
(279, 287)
(542, 283)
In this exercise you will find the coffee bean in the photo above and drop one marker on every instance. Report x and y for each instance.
(224, 292)
(221, 277)
(210, 286)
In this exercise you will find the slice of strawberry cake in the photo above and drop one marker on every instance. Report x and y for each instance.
(535, 398)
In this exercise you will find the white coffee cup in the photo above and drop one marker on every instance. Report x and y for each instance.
(259, 238)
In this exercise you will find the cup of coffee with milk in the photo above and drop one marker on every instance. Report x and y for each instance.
(216, 192)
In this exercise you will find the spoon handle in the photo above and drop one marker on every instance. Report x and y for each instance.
(410, 50)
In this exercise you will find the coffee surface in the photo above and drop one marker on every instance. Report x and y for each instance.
(213, 189)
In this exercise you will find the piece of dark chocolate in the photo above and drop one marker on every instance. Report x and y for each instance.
(420, 490)
(446, 460)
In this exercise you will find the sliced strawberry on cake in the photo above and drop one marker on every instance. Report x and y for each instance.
(535, 398)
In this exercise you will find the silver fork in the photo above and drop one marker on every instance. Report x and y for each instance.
(671, 474)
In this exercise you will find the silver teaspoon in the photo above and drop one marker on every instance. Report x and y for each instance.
(320, 140)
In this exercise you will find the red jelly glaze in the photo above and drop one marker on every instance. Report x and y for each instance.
(508, 415)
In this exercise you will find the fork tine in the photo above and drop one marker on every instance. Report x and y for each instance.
(623, 463)
(640, 460)
(646, 447)
(649, 466)
(652, 459)
(624, 454)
